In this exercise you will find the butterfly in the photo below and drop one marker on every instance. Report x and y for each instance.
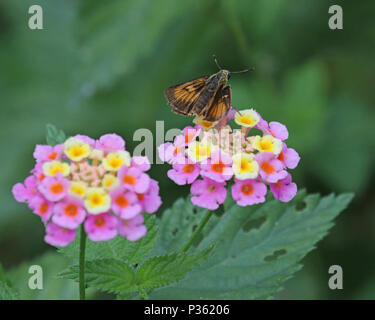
(207, 97)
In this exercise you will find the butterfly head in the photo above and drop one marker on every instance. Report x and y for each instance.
(223, 76)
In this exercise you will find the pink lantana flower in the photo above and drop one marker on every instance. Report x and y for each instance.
(278, 130)
(270, 169)
(274, 128)
(26, 191)
(289, 157)
(248, 192)
(284, 189)
(173, 152)
(110, 142)
(42, 207)
(89, 182)
(37, 172)
(101, 227)
(125, 203)
(140, 162)
(218, 167)
(69, 213)
(191, 133)
(86, 139)
(59, 236)
(132, 229)
(54, 188)
(208, 193)
(134, 179)
(231, 113)
(150, 200)
(184, 173)
(217, 152)
(48, 153)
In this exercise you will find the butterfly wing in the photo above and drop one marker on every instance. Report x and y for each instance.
(220, 105)
(182, 97)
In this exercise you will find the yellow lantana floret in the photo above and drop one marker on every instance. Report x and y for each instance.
(206, 125)
(115, 160)
(76, 149)
(247, 118)
(97, 200)
(244, 166)
(267, 143)
(51, 168)
(110, 182)
(77, 189)
(200, 150)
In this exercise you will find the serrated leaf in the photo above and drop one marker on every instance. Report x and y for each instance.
(54, 136)
(118, 248)
(109, 275)
(257, 248)
(163, 270)
(117, 276)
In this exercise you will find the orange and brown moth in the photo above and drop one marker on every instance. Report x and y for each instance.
(207, 97)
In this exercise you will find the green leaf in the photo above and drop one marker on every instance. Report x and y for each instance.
(54, 136)
(109, 275)
(258, 247)
(118, 248)
(162, 270)
(116, 276)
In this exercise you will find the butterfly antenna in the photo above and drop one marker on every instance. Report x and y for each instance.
(217, 63)
(242, 71)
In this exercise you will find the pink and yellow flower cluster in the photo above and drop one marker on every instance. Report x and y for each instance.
(218, 154)
(91, 182)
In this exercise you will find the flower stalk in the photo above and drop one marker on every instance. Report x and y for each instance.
(82, 250)
(199, 229)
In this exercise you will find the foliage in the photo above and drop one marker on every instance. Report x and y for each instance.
(118, 248)
(117, 276)
(54, 135)
(258, 248)
(120, 266)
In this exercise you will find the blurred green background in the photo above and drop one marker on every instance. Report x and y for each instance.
(102, 66)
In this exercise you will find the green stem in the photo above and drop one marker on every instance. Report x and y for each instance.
(197, 231)
(82, 249)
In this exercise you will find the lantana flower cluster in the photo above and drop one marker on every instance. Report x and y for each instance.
(212, 156)
(91, 182)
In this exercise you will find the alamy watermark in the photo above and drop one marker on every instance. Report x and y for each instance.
(336, 20)
(36, 280)
(36, 18)
(336, 280)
